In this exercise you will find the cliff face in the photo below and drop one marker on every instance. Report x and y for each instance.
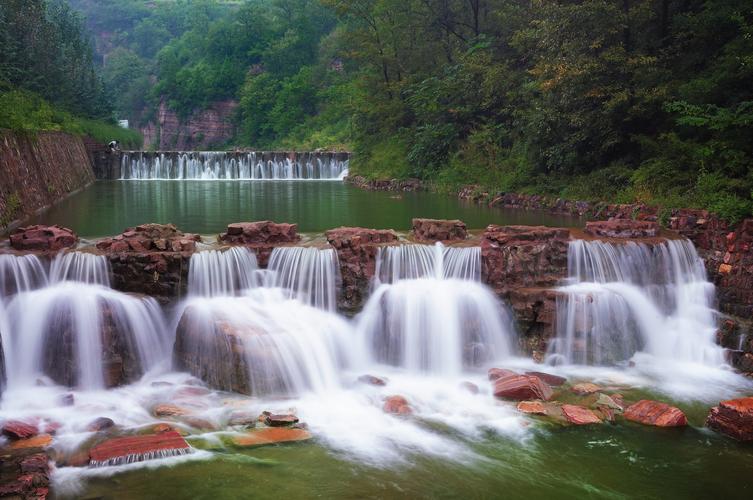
(39, 170)
(205, 128)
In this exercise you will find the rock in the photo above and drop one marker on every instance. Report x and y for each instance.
(271, 435)
(43, 238)
(605, 401)
(25, 476)
(733, 418)
(160, 428)
(623, 228)
(579, 415)
(469, 387)
(522, 387)
(553, 380)
(585, 388)
(150, 238)
(655, 413)
(199, 423)
(495, 373)
(372, 380)
(242, 418)
(439, 230)
(397, 405)
(138, 448)
(280, 420)
(261, 236)
(168, 410)
(67, 400)
(38, 441)
(16, 429)
(532, 407)
(100, 424)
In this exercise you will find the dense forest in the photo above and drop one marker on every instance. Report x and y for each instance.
(629, 100)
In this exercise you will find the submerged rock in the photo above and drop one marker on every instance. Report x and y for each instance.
(439, 230)
(397, 405)
(100, 424)
(138, 449)
(43, 238)
(655, 413)
(469, 387)
(271, 435)
(579, 415)
(372, 380)
(497, 373)
(733, 418)
(521, 387)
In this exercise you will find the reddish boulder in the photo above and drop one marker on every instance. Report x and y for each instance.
(397, 405)
(522, 387)
(585, 388)
(497, 373)
(579, 415)
(43, 238)
(623, 228)
(655, 413)
(532, 407)
(16, 429)
(150, 238)
(280, 420)
(550, 379)
(733, 418)
(138, 448)
(439, 230)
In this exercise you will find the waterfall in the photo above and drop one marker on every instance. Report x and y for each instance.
(306, 273)
(209, 165)
(218, 273)
(624, 298)
(81, 267)
(20, 274)
(432, 314)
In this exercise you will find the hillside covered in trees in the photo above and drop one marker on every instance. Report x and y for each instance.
(629, 100)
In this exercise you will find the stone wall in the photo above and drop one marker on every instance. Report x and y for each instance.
(38, 170)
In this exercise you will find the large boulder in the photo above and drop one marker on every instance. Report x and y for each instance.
(655, 413)
(522, 387)
(149, 238)
(439, 230)
(43, 238)
(261, 236)
(623, 228)
(733, 418)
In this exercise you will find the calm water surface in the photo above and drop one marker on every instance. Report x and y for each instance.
(207, 207)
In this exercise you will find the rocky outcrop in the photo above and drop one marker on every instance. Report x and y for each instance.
(655, 413)
(150, 238)
(733, 418)
(261, 236)
(431, 230)
(25, 474)
(131, 449)
(39, 170)
(43, 238)
(623, 228)
(356, 252)
(211, 126)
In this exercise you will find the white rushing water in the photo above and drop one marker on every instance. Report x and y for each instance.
(210, 165)
(223, 272)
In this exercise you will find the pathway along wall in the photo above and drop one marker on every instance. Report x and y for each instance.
(38, 170)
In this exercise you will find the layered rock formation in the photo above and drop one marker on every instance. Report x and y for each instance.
(43, 238)
(431, 230)
(204, 128)
(261, 237)
(733, 418)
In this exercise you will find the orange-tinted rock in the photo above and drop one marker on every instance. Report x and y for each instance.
(623, 228)
(43, 238)
(138, 448)
(397, 405)
(39, 441)
(439, 230)
(553, 380)
(579, 415)
(496, 373)
(532, 407)
(585, 388)
(655, 413)
(271, 435)
(16, 429)
(280, 420)
(733, 418)
(522, 387)
(167, 410)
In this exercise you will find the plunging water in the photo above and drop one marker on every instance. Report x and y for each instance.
(423, 261)
(307, 274)
(635, 297)
(221, 273)
(209, 165)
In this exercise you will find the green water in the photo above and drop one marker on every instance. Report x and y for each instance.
(207, 207)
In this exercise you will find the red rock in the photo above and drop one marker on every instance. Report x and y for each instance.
(261, 232)
(15, 429)
(372, 380)
(521, 387)
(439, 230)
(167, 410)
(280, 420)
(495, 373)
(100, 424)
(271, 435)
(585, 388)
(43, 238)
(38, 462)
(553, 380)
(623, 228)
(38, 441)
(397, 405)
(137, 448)
(150, 238)
(733, 418)
(532, 407)
(655, 413)
(579, 415)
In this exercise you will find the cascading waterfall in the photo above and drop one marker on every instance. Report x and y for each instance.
(67, 324)
(209, 165)
(306, 273)
(625, 298)
(432, 314)
(222, 273)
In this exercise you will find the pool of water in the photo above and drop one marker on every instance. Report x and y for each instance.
(207, 207)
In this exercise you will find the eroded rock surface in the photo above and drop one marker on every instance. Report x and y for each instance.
(430, 230)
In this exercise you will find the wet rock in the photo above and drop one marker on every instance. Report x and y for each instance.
(579, 415)
(199, 423)
(553, 380)
(160, 428)
(733, 418)
(372, 380)
(397, 405)
(532, 407)
(67, 400)
(522, 387)
(439, 230)
(43, 238)
(25, 476)
(655, 413)
(271, 435)
(100, 424)
(623, 228)
(585, 388)
(469, 387)
(242, 419)
(261, 236)
(39, 441)
(604, 401)
(496, 373)
(150, 238)
(138, 448)
(273, 420)
(168, 410)
(16, 429)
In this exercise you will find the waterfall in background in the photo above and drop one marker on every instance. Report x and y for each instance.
(208, 165)
(624, 298)
(432, 314)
